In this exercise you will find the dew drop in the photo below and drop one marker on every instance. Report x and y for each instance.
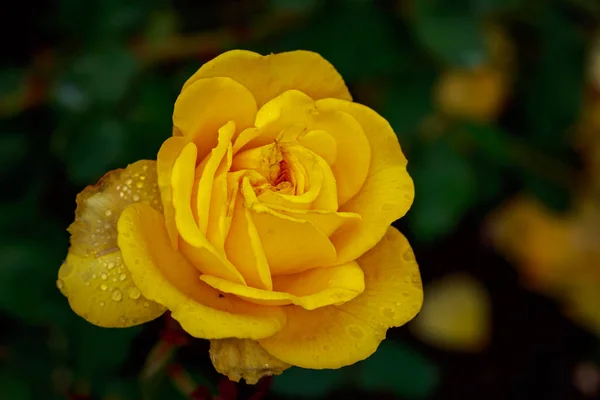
(146, 304)
(59, 284)
(388, 313)
(101, 304)
(136, 197)
(103, 287)
(398, 304)
(110, 265)
(122, 277)
(104, 277)
(409, 255)
(128, 182)
(134, 294)
(355, 331)
(94, 276)
(108, 213)
(139, 185)
(116, 295)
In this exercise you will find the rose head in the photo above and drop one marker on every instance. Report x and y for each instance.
(265, 217)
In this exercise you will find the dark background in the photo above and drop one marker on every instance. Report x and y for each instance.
(486, 96)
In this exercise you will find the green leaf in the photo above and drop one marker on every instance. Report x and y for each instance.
(100, 350)
(28, 275)
(91, 153)
(454, 34)
(553, 90)
(367, 52)
(407, 103)
(13, 150)
(492, 142)
(13, 387)
(398, 369)
(445, 188)
(101, 76)
(307, 382)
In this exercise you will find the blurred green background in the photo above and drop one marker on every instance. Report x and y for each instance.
(495, 103)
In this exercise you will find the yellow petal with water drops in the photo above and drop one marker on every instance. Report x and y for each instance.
(315, 288)
(336, 336)
(456, 314)
(168, 153)
(243, 359)
(245, 250)
(194, 244)
(388, 191)
(276, 231)
(207, 174)
(168, 278)
(269, 76)
(206, 105)
(294, 108)
(93, 276)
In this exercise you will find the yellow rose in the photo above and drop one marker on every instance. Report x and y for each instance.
(265, 217)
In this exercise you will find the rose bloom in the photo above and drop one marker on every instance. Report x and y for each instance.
(263, 225)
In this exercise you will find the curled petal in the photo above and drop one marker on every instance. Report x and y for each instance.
(336, 336)
(94, 277)
(243, 359)
(194, 243)
(315, 288)
(167, 277)
(268, 76)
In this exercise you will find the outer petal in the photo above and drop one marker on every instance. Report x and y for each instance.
(166, 277)
(335, 336)
(93, 277)
(388, 191)
(318, 287)
(208, 104)
(269, 76)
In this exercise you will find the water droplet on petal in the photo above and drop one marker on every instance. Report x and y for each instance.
(122, 277)
(388, 313)
(104, 277)
(146, 304)
(101, 304)
(110, 265)
(116, 295)
(103, 287)
(139, 185)
(136, 197)
(122, 319)
(108, 213)
(134, 294)
(355, 331)
(59, 284)
(409, 255)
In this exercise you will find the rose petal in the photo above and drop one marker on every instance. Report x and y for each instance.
(194, 244)
(208, 104)
(310, 289)
(388, 191)
(168, 153)
(93, 277)
(244, 248)
(336, 336)
(206, 173)
(268, 76)
(166, 277)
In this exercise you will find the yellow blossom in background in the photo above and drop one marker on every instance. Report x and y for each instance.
(479, 92)
(265, 217)
(559, 255)
(456, 314)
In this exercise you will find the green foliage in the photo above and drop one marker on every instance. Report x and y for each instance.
(93, 89)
